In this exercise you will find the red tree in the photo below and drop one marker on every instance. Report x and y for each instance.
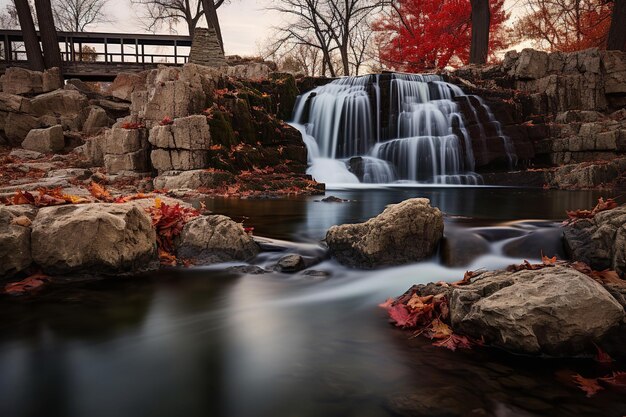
(420, 35)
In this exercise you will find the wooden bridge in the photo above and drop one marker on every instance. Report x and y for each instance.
(92, 56)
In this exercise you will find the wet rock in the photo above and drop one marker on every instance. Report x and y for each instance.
(213, 239)
(25, 154)
(14, 240)
(248, 269)
(600, 242)
(290, 263)
(555, 311)
(333, 199)
(546, 240)
(403, 233)
(45, 140)
(461, 249)
(193, 179)
(109, 239)
(316, 273)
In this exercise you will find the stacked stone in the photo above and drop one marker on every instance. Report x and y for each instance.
(126, 150)
(182, 145)
(206, 49)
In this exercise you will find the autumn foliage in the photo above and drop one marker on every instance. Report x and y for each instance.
(565, 25)
(418, 35)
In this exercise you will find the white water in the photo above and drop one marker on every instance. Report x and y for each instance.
(426, 140)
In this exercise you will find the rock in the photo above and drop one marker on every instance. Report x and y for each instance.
(51, 80)
(60, 102)
(252, 71)
(14, 103)
(14, 240)
(126, 83)
(215, 238)
(45, 140)
(588, 175)
(18, 80)
(18, 125)
(290, 263)
(78, 173)
(404, 232)
(599, 242)
(531, 64)
(25, 154)
(247, 270)
(173, 99)
(131, 161)
(174, 159)
(555, 311)
(193, 179)
(120, 141)
(96, 120)
(94, 149)
(333, 199)
(110, 239)
(547, 240)
(189, 133)
(462, 248)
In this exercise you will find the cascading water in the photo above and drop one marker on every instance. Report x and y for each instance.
(421, 135)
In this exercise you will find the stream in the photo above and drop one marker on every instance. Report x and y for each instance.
(215, 341)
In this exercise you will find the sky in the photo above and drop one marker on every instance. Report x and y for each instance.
(246, 24)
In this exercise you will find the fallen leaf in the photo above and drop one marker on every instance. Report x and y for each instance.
(548, 261)
(588, 385)
(454, 342)
(28, 285)
(401, 316)
(602, 356)
(616, 381)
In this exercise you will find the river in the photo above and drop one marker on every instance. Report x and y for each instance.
(217, 342)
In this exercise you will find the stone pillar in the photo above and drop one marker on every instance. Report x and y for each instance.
(206, 49)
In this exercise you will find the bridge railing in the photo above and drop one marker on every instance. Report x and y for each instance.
(104, 48)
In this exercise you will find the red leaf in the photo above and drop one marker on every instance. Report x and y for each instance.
(602, 356)
(28, 285)
(616, 381)
(590, 386)
(454, 342)
(401, 316)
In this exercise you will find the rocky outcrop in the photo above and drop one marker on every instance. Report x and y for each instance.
(600, 241)
(405, 232)
(556, 311)
(15, 239)
(126, 83)
(45, 140)
(213, 239)
(93, 239)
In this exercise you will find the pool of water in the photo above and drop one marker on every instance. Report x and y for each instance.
(211, 341)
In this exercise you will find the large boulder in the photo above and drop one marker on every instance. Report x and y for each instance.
(215, 238)
(96, 121)
(24, 81)
(92, 239)
(59, 102)
(17, 126)
(190, 133)
(45, 140)
(404, 232)
(554, 310)
(15, 239)
(600, 241)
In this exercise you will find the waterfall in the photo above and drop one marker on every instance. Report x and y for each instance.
(395, 127)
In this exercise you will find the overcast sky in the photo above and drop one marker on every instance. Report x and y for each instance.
(245, 23)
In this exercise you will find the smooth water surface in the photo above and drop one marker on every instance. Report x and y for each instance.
(213, 342)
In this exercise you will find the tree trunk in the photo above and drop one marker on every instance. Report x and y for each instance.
(33, 51)
(212, 20)
(481, 16)
(617, 32)
(51, 51)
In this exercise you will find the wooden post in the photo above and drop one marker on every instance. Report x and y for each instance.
(106, 50)
(122, 48)
(175, 52)
(136, 51)
(7, 50)
(31, 42)
(143, 53)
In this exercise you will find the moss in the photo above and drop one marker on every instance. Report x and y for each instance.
(221, 130)
(285, 93)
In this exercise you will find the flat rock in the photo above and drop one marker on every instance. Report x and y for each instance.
(555, 311)
(193, 179)
(14, 240)
(45, 140)
(405, 232)
(25, 154)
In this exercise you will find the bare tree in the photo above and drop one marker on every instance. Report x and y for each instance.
(328, 25)
(76, 15)
(169, 13)
(49, 41)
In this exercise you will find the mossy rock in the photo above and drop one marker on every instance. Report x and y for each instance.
(285, 94)
(221, 130)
